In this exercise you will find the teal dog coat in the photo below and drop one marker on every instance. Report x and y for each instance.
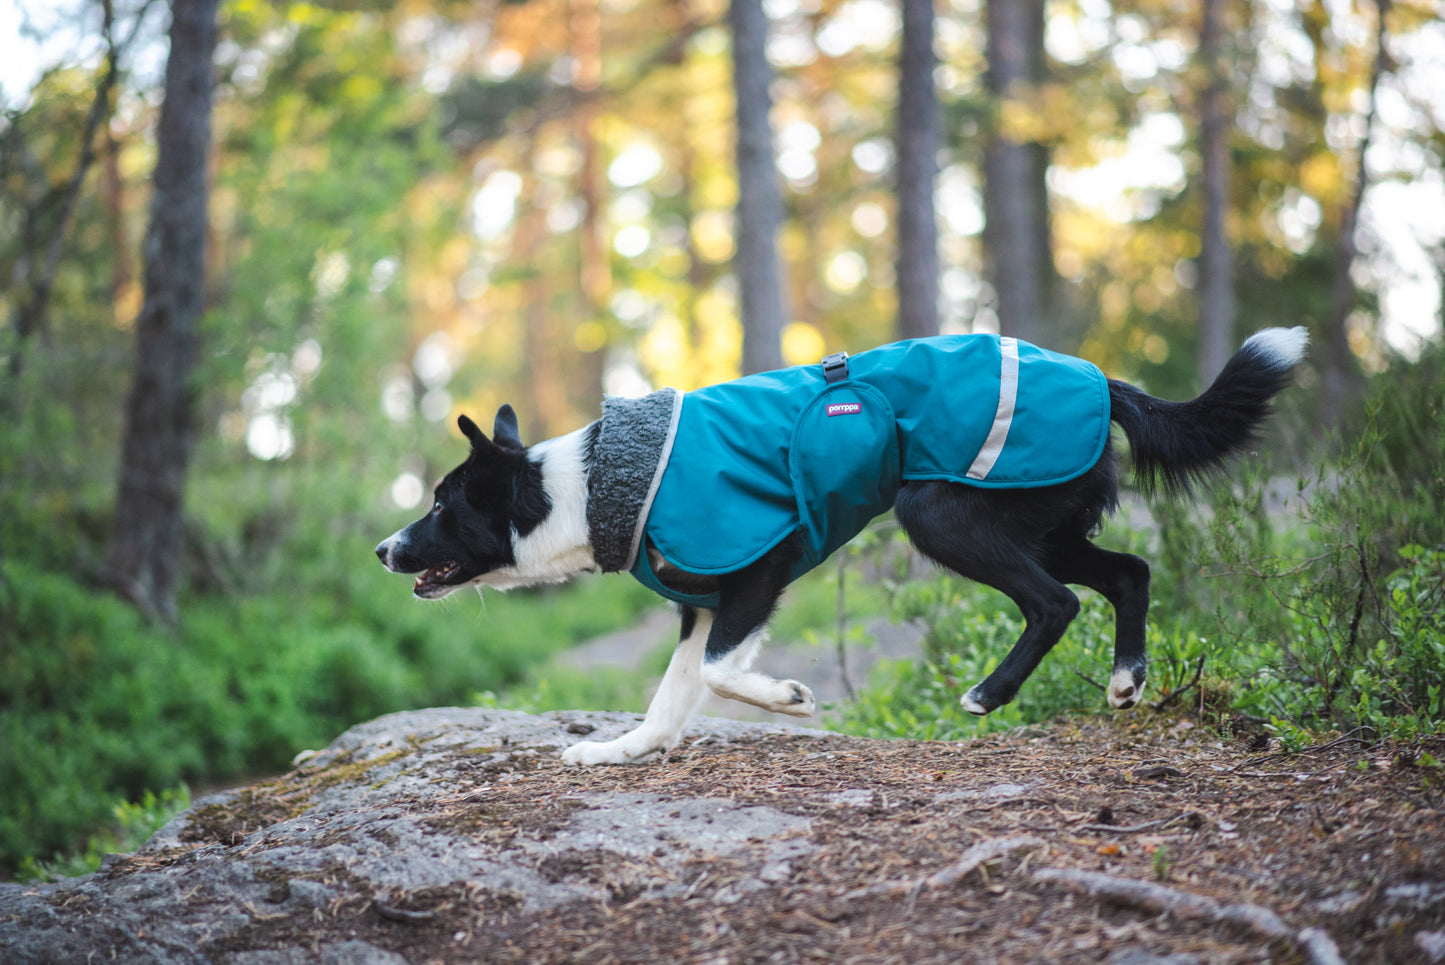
(741, 466)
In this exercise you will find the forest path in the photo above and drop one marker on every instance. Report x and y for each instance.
(815, 664)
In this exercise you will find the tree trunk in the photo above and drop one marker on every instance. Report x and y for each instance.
(1340, 378)
(918, 140)
(760, 204)
(594, 259)
(1016, 210)
(1216, 257)
(145, 545)
(546, 344)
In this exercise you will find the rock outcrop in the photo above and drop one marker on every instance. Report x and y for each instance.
(458, 835)
(396, 817)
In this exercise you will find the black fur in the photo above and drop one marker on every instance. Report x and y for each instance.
(1176, 444)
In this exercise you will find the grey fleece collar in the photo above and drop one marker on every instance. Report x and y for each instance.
(634, 441)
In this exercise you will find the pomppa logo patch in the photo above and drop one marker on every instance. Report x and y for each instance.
(844, 408)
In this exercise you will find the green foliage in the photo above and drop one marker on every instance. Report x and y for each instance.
(968, 630)
(135, 822)
(1327, 676)
(98, 706)
(1338, 619)
(1159, 863)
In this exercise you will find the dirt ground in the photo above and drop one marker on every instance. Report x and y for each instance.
(1345, 837)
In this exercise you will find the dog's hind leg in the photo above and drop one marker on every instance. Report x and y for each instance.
(746, 600)
(1124, 581)
(676, 698)
(991, 538)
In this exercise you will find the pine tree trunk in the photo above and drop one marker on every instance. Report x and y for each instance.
(145, 545)
(1216, 258)
(918, 141)
(1017, 234)
(760, 204)
(595, 273)
(1341, 381)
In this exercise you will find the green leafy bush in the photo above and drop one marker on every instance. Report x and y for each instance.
(1339, 605)
(97, 706)
(135, 822)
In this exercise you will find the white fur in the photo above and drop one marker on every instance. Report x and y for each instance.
(1124, 691)
(676, 698)
(970, 703)
(558, 548)
(730, 677)
(1285, 345)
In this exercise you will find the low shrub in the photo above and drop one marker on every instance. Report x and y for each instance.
(98, 707)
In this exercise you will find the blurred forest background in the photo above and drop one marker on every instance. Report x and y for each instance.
(256, 255)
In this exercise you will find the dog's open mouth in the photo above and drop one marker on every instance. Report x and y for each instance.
(436, 581)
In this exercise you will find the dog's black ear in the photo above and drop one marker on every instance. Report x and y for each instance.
(475, 435)
(505, 432)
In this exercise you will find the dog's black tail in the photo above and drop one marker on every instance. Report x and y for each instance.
(1175, 444)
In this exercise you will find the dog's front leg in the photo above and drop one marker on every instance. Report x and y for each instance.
(746, 600)
(729, 676)
(676, 698)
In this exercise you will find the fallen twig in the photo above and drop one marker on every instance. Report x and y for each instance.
(980, 854)
(1318, 947)
(393, 913)
(1136, 828)
(1178, 692)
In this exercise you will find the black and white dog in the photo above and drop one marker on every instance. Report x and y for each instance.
(513, 515)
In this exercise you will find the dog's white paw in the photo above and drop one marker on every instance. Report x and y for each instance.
(776, 696)
(971, 703)
(798, 700)
(620, 751)
(1124, 691)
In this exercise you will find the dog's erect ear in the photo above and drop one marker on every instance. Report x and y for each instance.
(475, 435)
(505, 432)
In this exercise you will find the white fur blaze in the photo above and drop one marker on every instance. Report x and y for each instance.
(1284, 346)
(676, 698)
(558, 548)
(1124, 691)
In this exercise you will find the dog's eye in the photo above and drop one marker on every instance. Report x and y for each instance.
(436, 507)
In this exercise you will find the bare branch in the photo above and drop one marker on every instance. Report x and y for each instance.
(1178, 692)
(28, 316)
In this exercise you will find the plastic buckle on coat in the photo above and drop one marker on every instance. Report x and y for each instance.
(835, 367)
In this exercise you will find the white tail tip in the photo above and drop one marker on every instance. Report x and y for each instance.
(1286, 346)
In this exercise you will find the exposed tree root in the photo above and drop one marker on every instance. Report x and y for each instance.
(980, 854)
(1318, 947)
